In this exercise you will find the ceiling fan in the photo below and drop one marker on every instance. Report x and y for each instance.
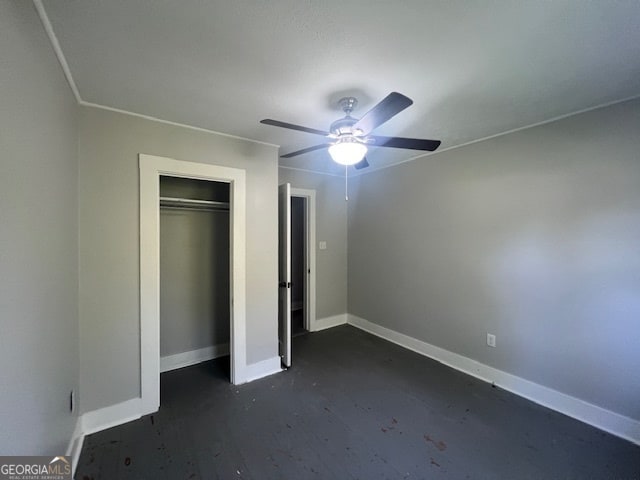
(349, 137)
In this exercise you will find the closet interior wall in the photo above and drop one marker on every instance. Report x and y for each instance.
(194, 267)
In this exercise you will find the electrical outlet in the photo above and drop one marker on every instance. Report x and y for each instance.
(491, 340)
(72, 401)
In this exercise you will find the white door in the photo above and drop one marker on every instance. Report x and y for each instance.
(284, 280)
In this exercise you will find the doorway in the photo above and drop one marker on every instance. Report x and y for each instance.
(297, 260)
(299, 266)
(151, 169)
(308, 197)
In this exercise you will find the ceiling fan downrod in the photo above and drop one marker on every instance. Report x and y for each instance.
(348, 104)
(343, 126)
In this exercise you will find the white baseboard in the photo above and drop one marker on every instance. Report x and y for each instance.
(185, 359)
(598, 417)
(262, 369)
(111, 416)
(75, 445)
(328, 322)
(98, 420)
(129, 410)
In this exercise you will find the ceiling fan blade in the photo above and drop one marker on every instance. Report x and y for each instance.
(410, 143)
(291, 126)
(390, 106)
(362, 164)
(305, 150)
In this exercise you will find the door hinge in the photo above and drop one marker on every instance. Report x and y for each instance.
(284, 285)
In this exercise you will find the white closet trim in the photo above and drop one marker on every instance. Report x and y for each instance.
(151, 168)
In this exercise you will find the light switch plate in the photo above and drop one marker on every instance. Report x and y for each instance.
(323, 245)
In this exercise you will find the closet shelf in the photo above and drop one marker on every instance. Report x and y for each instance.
(191, 204)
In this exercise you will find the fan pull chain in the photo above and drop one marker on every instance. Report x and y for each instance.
(346, 184)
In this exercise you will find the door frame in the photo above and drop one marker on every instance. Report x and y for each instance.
(310, 255)
(151, 168)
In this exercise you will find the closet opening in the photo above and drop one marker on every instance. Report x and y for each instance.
(299, 267)
(195, 316)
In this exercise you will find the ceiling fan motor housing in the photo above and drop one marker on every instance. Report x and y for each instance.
(343, 126)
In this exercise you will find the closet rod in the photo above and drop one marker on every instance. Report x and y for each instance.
(188, 203)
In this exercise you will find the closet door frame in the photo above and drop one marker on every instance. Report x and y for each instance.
(151, 168)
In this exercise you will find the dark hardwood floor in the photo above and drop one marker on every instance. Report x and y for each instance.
(352, 406)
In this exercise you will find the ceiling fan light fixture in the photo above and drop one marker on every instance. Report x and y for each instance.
(347, 152)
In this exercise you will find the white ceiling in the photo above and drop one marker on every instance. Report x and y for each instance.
(473, 68)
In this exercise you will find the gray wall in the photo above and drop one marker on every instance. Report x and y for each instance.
(533, 236)
(331, 226)
(194, 271)
(38, 239)
(109, 145)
